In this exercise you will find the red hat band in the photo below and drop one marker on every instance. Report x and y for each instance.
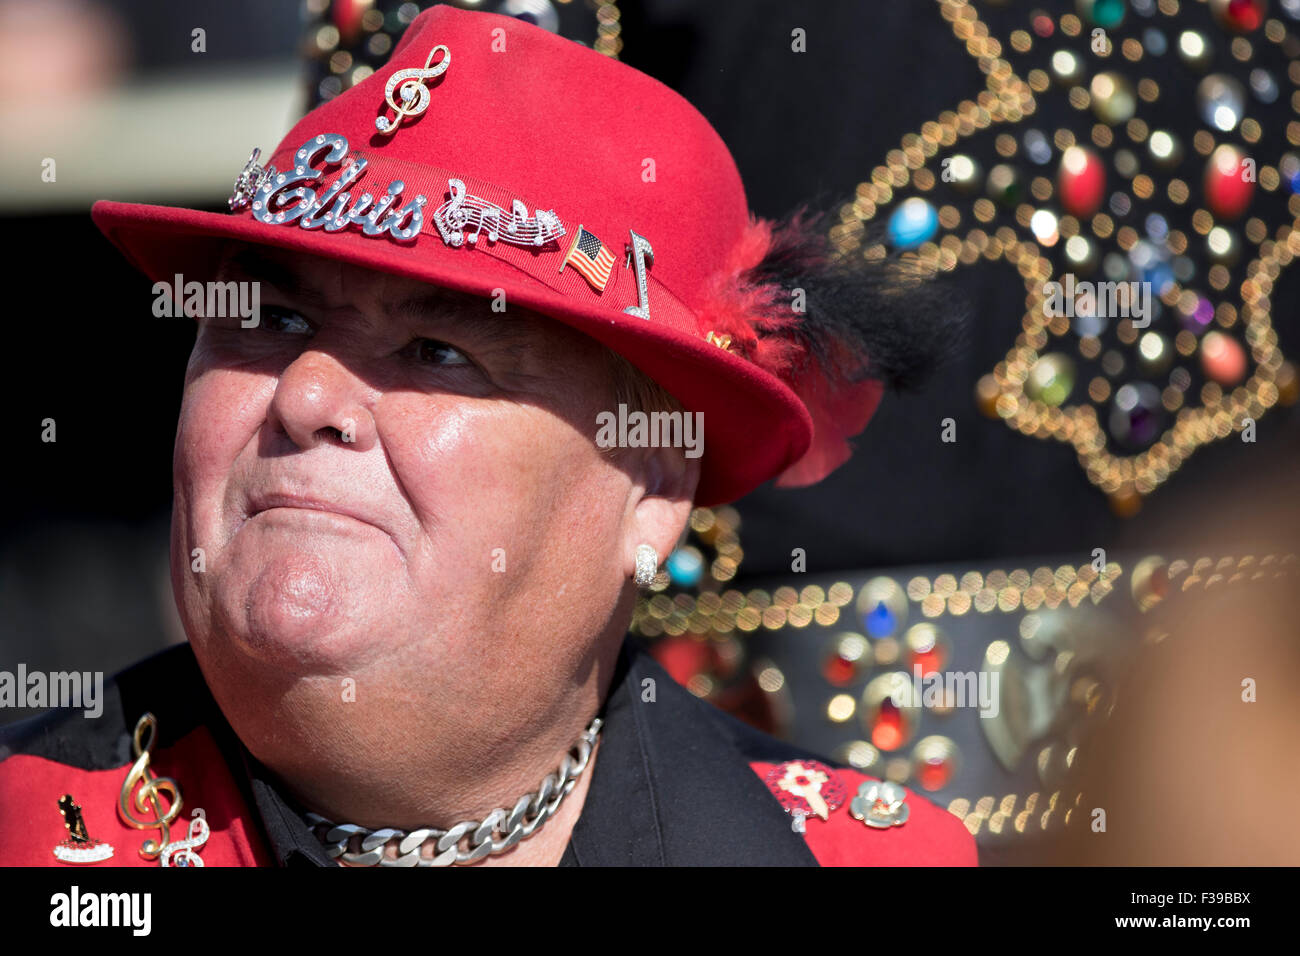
(328, 186)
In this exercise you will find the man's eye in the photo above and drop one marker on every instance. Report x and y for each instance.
(438, 353)
(275, 319)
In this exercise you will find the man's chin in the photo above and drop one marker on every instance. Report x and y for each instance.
(296, 614)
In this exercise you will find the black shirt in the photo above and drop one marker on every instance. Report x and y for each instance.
(671, 785)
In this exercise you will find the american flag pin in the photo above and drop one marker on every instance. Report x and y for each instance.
(591, 258)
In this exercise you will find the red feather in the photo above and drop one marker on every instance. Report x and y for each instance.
(765, 328)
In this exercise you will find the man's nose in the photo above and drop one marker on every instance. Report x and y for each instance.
(318, 400)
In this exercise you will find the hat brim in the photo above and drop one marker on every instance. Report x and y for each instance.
(754, 425)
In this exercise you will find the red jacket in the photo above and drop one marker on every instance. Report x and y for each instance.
(678, 783)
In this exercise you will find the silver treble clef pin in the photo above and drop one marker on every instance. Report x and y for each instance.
(411, 91)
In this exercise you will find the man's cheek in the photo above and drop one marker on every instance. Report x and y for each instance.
(221, 410)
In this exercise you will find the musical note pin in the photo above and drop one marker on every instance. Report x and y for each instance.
(181, 853)
(147, 798)
(78, 847)
(411, 91)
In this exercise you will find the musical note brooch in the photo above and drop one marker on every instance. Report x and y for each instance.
(148, 800)
(411, 91)
(463, 211)
(78, 847)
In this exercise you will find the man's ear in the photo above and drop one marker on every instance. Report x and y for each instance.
(664, 482)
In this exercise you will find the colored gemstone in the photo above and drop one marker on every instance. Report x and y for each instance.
(1160, 275)
(1222, 358)
(1037, 147)
(1050, 379)
(1240, 16)
(838, 671)
(841, 665)
(1263, 86)
(926, 648)
(1113, 100)
(912, 223)
(936, 762)
(685, 567)
(1081, 181)
(880, 621)
(347, 15)
(1154, 42)
(1221, 100)
(934, 773)
(1101, 13)
(1136, 417)
(930, 661)
(889, 730)
(1003, 185)
(1289, 167)
(1200, 316)
(1229, 182)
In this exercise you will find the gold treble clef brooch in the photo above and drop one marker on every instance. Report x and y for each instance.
(148, 800)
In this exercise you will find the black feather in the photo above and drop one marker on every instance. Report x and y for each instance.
(899, 320)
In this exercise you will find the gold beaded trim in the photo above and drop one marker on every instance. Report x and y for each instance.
(1008, 99)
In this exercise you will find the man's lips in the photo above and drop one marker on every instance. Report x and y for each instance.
(270, 502)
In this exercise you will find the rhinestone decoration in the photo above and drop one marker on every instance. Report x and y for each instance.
(1163, 236)
(249, 181)
(412, 91)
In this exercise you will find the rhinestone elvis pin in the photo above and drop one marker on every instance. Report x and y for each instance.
(410, 89)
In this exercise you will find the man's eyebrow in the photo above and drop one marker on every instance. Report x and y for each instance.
(493, 328)
(253, 266)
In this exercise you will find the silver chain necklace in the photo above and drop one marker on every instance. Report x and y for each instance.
(361, 846)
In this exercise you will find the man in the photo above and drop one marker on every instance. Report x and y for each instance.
(404, 558)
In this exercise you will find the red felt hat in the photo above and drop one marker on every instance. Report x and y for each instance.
(532, 166)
